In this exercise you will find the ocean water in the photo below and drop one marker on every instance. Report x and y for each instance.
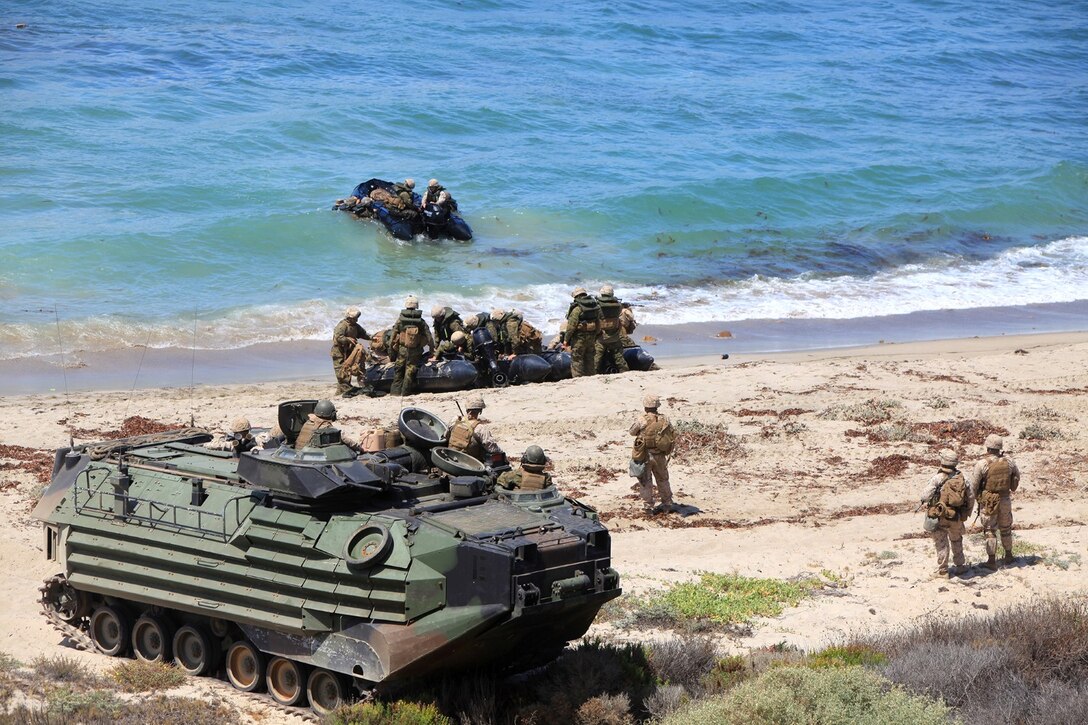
(167, 173)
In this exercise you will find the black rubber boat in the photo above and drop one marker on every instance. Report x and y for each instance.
(435, 222)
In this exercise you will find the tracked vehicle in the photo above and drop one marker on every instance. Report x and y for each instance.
(314, 571)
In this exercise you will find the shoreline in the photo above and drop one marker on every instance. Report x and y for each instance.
(308, 360)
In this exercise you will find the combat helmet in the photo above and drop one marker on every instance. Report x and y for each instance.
(497, 313)
(410, 183)
(949, 458)
(352, 313)
(651, 401)
(239, 425)
(578, 291)
(534, 456)
(436, 311)
(607, 290)
(994, 442)
(458, 337)
(411, 303)
(325, 410)
(432, 182)
(476, 402)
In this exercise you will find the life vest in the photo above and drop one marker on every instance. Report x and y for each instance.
(590, 314)
(312, 425)
(998, 476)
(610, 313)
(444, 324)
(411, 329)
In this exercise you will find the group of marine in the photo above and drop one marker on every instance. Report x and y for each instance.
(595, 332)
(400, 201)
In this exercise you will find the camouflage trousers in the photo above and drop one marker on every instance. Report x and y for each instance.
(1000, 520)
(582, 354)
(657, 469)
(343, 382)
(948, 533)
(609, 355)
(407, 367)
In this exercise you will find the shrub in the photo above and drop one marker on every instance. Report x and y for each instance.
(7, 662)
(705, 440)
(685, 661)
(605, 710)
(895, 432)
(666, 699)
(833, 696)
(173, 710)
(387, 713)
(727, 673)
(1040, 432)
(85, 705)
(850, 655)
(938, 403)
(60, 668)
(140, 676)
(731, 598)
(871, 412)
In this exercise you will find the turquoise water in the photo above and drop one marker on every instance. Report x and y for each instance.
(165, 169)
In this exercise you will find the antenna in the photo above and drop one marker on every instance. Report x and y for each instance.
(192, 376)
(139, 367)
(64, 370)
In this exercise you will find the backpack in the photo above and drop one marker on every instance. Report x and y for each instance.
(659, 436)
(529, 334)
(952, 497)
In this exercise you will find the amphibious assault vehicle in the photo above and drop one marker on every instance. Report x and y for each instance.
(311, 571)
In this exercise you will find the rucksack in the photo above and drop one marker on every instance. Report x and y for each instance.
(659, 436)
(953, 495)
(999, 476)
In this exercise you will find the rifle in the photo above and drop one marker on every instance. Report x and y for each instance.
(458, 403)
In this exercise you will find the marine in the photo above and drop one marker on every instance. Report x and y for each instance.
(458, 346)
(237, 438)
(530, 340)
(993, 480)
(505, 329)
(345, 337)
(530, 473)
(583, 326)
(324, 416)
(949, 501)
(445, 321)
(407, 199)
(654, 441)
(472, 436)
(436, 193)
(608, 351)
(408, 337)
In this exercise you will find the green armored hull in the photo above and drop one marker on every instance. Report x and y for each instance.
(309, 570)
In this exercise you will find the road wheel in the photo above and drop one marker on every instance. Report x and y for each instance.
(286, 681)
(326, 691)
(151, 638)
(195, 651)
(245, 666)
(110, 628)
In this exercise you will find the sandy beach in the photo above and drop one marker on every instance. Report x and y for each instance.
(779, 477)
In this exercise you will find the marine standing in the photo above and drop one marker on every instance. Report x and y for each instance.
(345, 337)
(408, 337)
(993, 479)
(505, 329)
(950, 501)
(437, 194)
(654, 441)
(472, 436)
(530, 473)
(609, 347)
(583, 325)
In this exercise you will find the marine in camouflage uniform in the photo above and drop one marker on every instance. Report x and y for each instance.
(472, 436)
(324, 416)
(583, 326)
(345, 337)
(237, 438)
(403, 191)
(445, 321)
(458, 346)
(627, 326)
(530, 474)
(410, 334)
(993, 479)
(950, 527)
(608, 351)
(649, 425)
(559, 341)
(432, 193)
(505, 329)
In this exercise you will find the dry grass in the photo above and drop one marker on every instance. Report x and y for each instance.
(695, 439)
(140, 676)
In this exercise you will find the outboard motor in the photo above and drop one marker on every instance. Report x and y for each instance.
(485, 347)
(435, 217)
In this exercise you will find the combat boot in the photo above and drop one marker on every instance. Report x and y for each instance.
(1008, 559)
(942, 573)
(991, 563)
